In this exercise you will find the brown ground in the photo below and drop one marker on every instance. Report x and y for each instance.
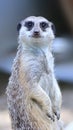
(67, 107)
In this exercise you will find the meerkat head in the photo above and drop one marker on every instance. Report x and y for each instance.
(36, 31)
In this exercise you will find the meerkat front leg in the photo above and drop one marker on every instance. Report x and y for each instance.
(52, 91)
(39, 96)
(56, 98)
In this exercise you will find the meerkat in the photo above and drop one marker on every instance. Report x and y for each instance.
(33, 94)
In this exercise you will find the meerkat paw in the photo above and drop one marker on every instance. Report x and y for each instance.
(52, 117)
(50, 114)
(57, 114)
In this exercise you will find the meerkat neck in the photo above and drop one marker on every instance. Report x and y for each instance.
(45, 48)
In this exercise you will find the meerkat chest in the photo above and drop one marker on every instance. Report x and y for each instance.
(49, 59)
(46, 80)
(36, 63)
(33, 64)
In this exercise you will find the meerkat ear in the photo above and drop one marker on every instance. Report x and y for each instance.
(53, 28)
(18, 26)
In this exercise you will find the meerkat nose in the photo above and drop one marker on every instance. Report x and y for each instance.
(36, 34)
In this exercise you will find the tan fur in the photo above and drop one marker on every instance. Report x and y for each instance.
(33, 93)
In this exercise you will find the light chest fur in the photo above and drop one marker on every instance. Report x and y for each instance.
(37, 63)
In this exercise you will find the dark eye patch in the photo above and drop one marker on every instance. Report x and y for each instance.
(53, 28)
(44, 25)
(29, 25)
(18, 26)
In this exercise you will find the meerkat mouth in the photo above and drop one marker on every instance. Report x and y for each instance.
(36, 34)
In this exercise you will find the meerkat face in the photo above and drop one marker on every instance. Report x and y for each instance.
(36, 30)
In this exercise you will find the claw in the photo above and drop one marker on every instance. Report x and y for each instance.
(57, 115)
(51, 117)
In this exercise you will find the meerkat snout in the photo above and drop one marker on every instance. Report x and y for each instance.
(36, 34)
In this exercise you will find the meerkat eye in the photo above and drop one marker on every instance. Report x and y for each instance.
(29, 25)
(44, 25)
(53, 28)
